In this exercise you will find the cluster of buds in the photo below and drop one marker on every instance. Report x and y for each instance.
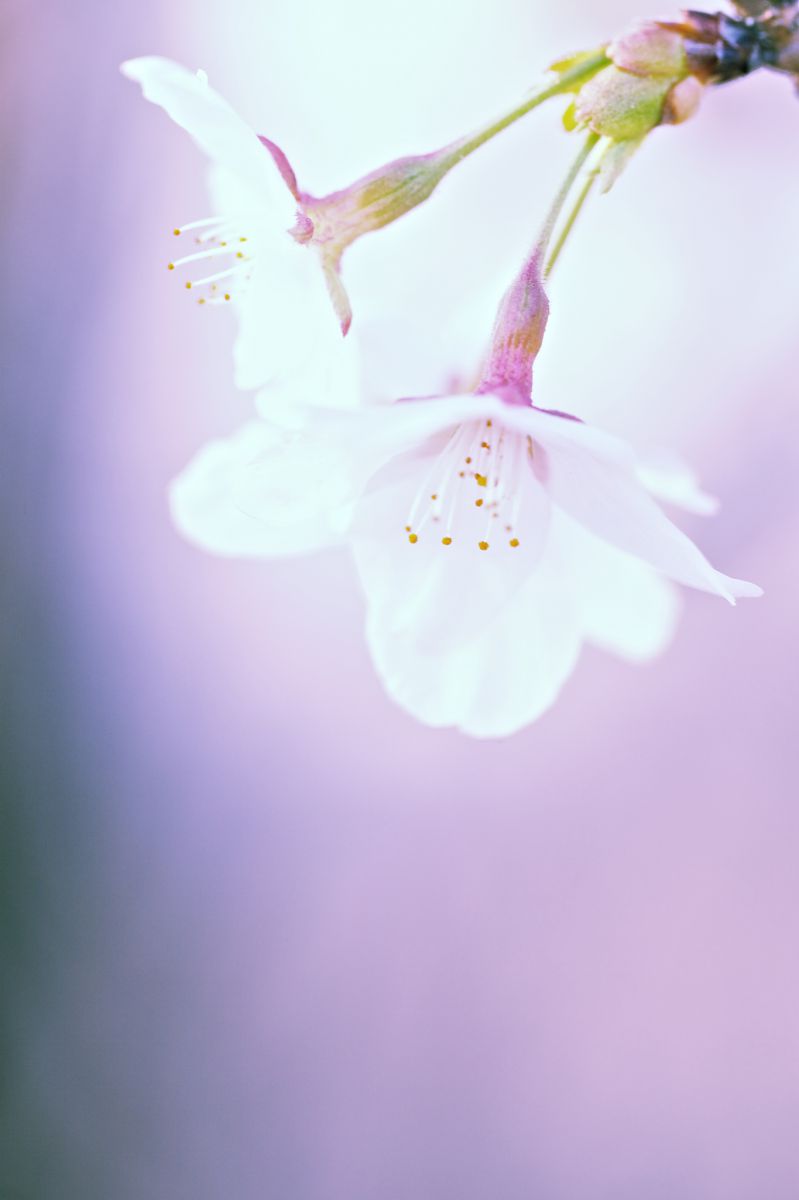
(656, 74)
(648, 82)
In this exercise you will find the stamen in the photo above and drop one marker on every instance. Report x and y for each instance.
(203, 224)
(213, 241)
(451, 498)
(213, 278)
(215, 253)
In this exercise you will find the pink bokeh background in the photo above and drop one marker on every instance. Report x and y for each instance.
(265, 935)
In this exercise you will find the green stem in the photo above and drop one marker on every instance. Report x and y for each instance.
(571, 220)
(548, 229)
(566, 82)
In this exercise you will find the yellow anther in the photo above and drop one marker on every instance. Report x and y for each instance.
(407, 528)
(242, 239)
(227, 295)
(468, 460)
(482, 480)
(483, 545)
(188, 285)
(413, 539)
(489, 423)
(485, 445)
(478, 503)
(176, 232)
(446, 541)
(434, 496)
(239, 254)
(201, 302)
(170, 266)
(514, 542)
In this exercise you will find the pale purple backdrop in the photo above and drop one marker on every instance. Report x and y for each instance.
(263, 935)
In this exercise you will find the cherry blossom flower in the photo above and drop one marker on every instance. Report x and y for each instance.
(492, 537)
(253, 253)
(274, 251)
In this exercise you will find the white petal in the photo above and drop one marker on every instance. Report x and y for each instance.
(289, 336)
(668, 478)
(264, 492)
(592, 477)
(499, 681)
(445, 594)
(234, 196)
(626, 607)
(216, 128)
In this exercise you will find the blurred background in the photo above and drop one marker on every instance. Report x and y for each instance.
(262, 935)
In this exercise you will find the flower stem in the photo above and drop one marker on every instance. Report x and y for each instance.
(571, 220)
(524, 309)
(553, 216)
(584, 70)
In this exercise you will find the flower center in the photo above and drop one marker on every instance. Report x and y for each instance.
(473, 493)
(220, 243)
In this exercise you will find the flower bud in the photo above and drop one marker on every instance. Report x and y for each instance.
(621, 106)
(651, 51)
(682, 101)
(646, 85)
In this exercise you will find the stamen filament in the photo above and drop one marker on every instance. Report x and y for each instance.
(202, 224)
(214, 278)
(188, 258)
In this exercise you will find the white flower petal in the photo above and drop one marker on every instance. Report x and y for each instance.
(289, 337)
(265, 491)
(592, 477)
(445, 594)
(626, 607)
(671, 480)
(216, 128)
(496, 683)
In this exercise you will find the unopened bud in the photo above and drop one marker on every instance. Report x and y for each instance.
(682, 101)
(650, 51)
(647, 85)
(621, 106)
